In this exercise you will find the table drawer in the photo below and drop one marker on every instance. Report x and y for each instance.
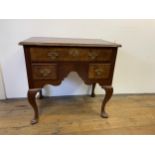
(48, 54)
(99, 71)
(44, 71)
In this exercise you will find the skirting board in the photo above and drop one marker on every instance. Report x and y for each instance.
(66, 96)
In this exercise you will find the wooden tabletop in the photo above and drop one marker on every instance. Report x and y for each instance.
(45, 41)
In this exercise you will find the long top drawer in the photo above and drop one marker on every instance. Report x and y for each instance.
(47, 54)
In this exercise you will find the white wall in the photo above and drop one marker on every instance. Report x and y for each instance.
(2, 90)
(135, 66)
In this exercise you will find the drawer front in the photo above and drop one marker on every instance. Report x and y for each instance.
(44, 71)
(46, 54)
(99, 71)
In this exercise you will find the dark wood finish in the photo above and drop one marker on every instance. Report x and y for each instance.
(41, 94)
(52, 54)
(45, 41)
(44, 71)
(99, 71)
(50, 60)
(32, 100)
(93, 90)
(108, 94)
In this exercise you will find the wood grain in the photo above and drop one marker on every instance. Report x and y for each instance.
(129, 114)
(50, 54)
(44, 71)
(64, 55)
(99, 70)
(49, 41)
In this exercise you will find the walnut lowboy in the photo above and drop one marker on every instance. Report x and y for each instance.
(50, 60)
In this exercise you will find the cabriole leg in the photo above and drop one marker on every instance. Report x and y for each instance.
(93, 90)
(32, 100)
(41, 95)
(108, 94)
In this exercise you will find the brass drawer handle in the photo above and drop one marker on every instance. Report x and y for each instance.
(45, 72)
(74, 52)
(92, 55)
(53, 55)
(98, 72)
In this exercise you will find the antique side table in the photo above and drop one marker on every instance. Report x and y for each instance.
(50, 60)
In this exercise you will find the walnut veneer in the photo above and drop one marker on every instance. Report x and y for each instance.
(50, 60)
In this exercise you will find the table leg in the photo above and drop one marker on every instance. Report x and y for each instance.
(32, 100)
(93, 90)
(108, 94)
(41, 95)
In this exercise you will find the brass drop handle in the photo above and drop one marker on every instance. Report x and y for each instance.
(98, 72)
(45, 72)
(53, 55)
(74, 52)
(92, 55)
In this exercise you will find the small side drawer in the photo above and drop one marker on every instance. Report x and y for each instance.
(44, 71)
(99, 71)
